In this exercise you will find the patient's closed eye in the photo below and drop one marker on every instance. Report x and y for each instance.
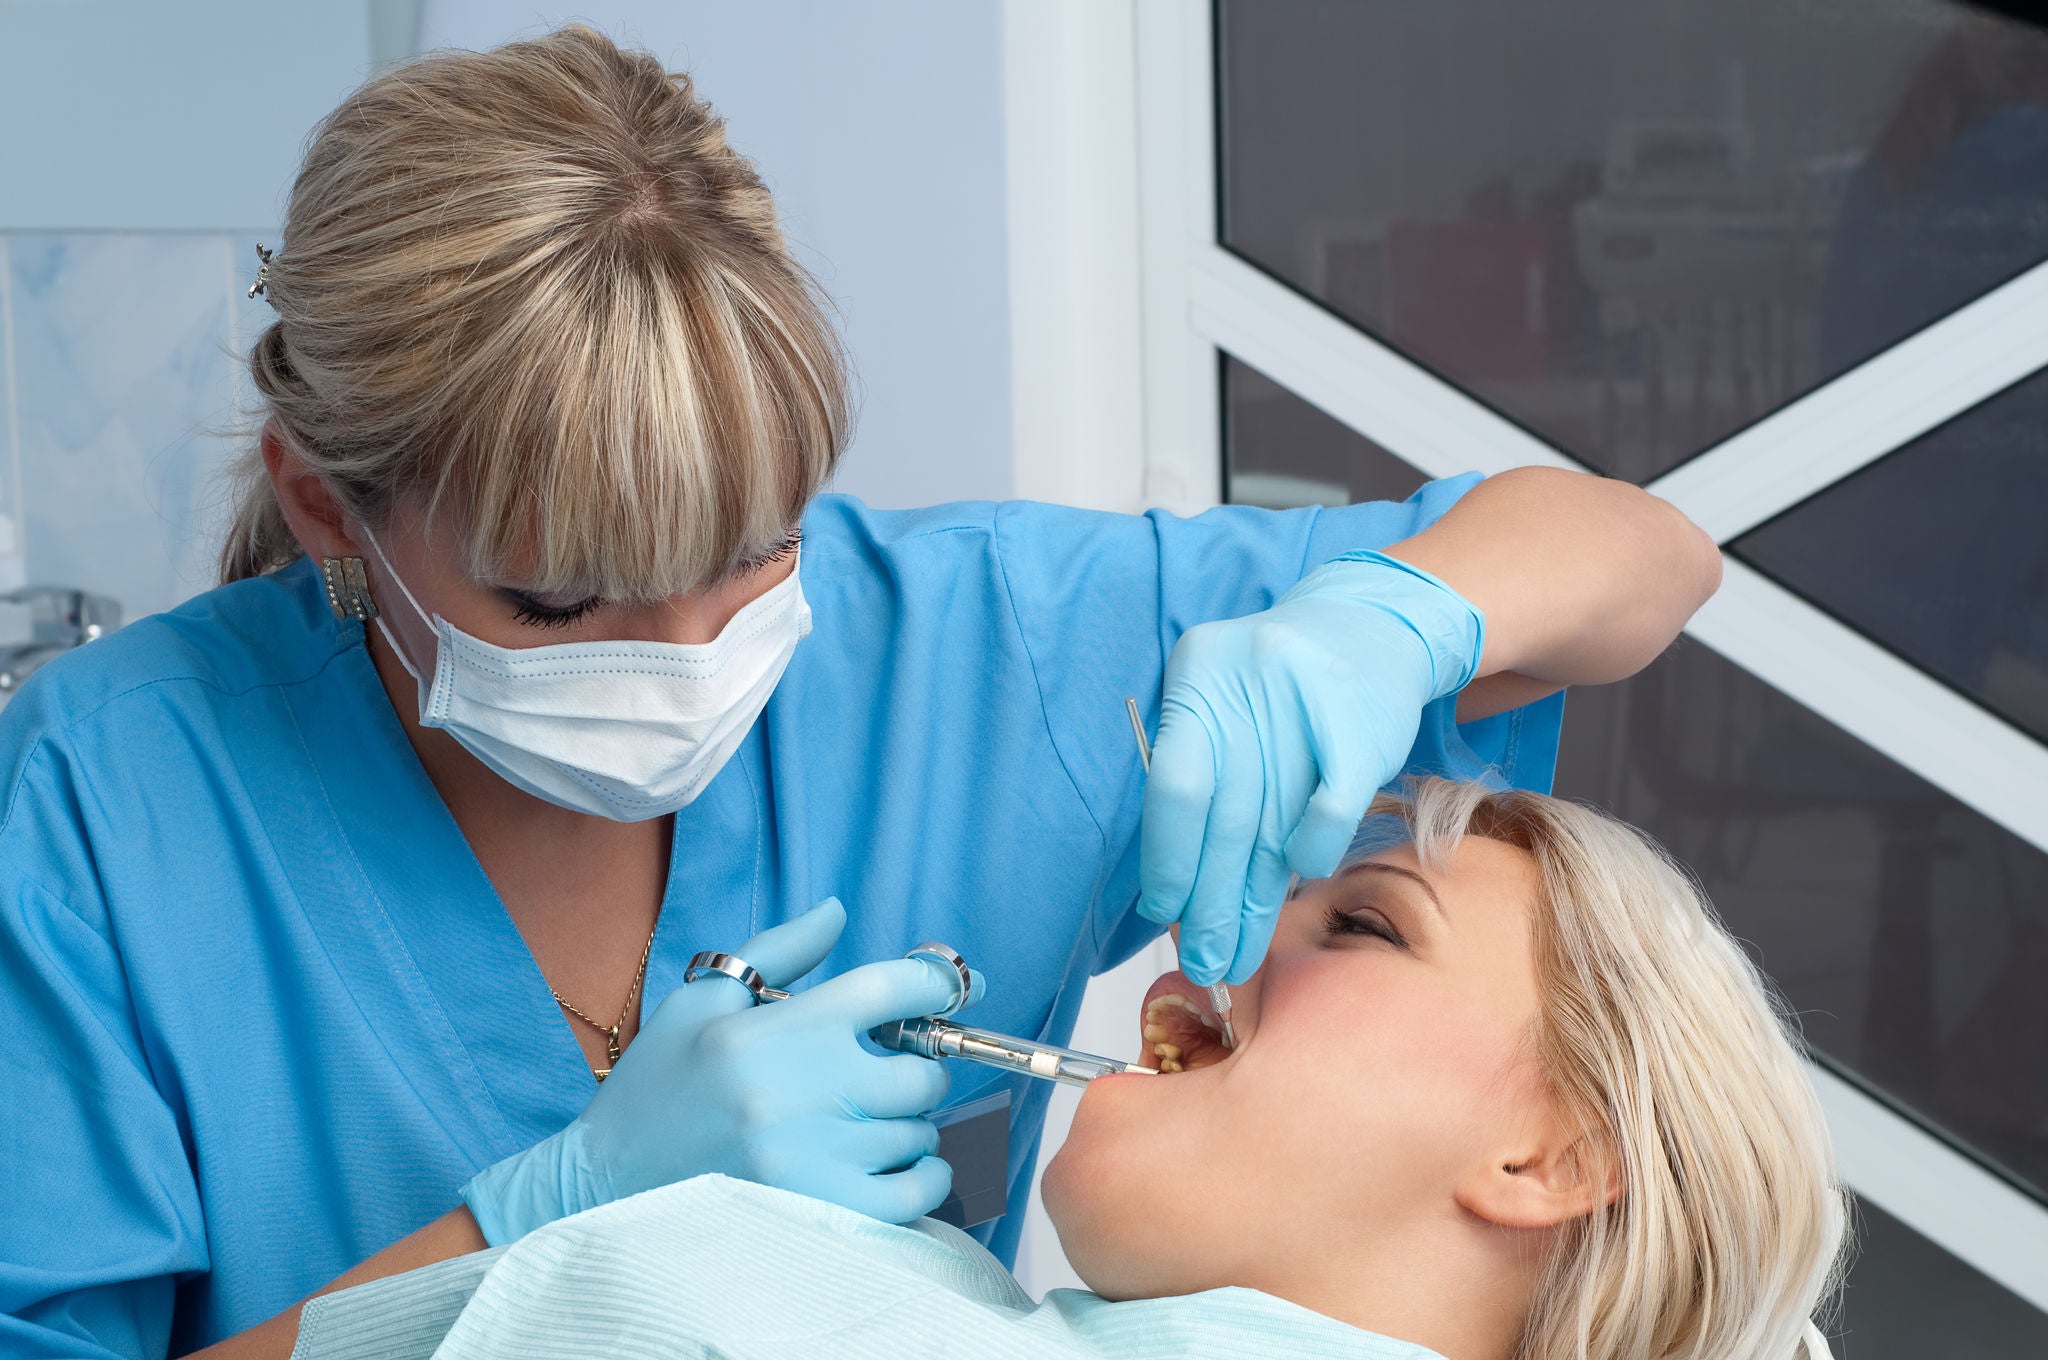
(1362, 921)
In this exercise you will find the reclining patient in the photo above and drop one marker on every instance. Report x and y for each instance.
(1504, 1090)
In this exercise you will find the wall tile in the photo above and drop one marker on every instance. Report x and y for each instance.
(127, 384)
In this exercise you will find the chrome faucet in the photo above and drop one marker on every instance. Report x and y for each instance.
(39, 622)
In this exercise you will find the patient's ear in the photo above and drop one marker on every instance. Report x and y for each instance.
(1542, 1181)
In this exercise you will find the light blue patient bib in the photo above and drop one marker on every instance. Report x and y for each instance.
(720, 1267)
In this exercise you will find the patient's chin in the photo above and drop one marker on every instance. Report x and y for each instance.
(1118, 1189)
(1113, 1192)
(1092, 1188)
(1094, 1229)
(1123, 1245)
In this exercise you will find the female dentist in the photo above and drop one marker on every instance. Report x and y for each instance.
(327, 900)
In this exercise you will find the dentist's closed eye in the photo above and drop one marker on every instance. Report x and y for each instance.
(541, 614)
(1362, 921)
(790, 543)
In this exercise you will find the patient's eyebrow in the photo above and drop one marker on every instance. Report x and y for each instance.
(1378, 866)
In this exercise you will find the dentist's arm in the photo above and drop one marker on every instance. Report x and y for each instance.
(1275, 730)
(1582, 580)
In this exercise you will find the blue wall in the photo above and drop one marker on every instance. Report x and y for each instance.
(142, 115)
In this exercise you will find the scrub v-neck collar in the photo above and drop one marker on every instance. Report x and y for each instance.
(483, 1009)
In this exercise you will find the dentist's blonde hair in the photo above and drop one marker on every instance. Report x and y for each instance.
(1667, 1049)
(534, 292)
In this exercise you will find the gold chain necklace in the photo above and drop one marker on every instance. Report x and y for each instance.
(611, 1032)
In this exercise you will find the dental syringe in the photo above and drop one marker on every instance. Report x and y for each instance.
(932, 1037)
(929, 1038)
(1219, 995)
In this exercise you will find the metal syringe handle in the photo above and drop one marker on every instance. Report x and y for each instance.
(928, 1038)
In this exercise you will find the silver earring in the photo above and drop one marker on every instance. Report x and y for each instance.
(348, 588)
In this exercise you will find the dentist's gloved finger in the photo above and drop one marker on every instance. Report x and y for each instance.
(955, 999)
(1350, 767)
(782, 954)
(895, 1085)
(1177, 796)
(694, 1002)
(1267, 878)
(882, 1145)
(1253, 939)
(1265, 891)
(1331, 819)
(1209, 929)
(900, 1196)
(875, 993)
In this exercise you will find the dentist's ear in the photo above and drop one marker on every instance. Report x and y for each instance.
(1542, 1181)
(312, 512)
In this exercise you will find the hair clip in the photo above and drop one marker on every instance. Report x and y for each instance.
(262, 284)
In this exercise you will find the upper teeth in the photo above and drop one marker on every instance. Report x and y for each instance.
(1161, 1038)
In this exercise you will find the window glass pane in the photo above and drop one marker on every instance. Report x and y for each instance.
(1907, 1299)
(1634, 227)
(1909, 933)
(1940, 552)
(1281, 452)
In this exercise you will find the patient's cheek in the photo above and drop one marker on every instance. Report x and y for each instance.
(1375, 1053)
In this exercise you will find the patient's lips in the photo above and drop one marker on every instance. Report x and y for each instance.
(1180, 1032)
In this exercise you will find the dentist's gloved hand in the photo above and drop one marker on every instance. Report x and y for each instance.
(1275, 732)
(782, 1094)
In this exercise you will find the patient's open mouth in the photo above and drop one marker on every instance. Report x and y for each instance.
(1179, 1032)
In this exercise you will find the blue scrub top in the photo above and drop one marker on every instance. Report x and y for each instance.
(264, 1013)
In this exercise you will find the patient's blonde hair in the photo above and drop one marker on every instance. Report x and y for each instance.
(534, 290)
(1664, 1045)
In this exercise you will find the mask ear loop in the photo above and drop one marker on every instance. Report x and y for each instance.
(390, 637)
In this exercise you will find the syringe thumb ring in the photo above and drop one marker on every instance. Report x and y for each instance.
(966, 982)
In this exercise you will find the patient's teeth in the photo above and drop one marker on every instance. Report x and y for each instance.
(1175, 1001)
(1172, 1040)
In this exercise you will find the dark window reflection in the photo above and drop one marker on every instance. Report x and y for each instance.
(1907, 1299)
(1940, 552)
(1281, 452)
(1910, 933)
(1634, 228)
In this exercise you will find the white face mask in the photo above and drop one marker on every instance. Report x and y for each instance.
(625, 730)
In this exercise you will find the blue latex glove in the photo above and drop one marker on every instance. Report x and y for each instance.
(1275, 732)
(782, 1093)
